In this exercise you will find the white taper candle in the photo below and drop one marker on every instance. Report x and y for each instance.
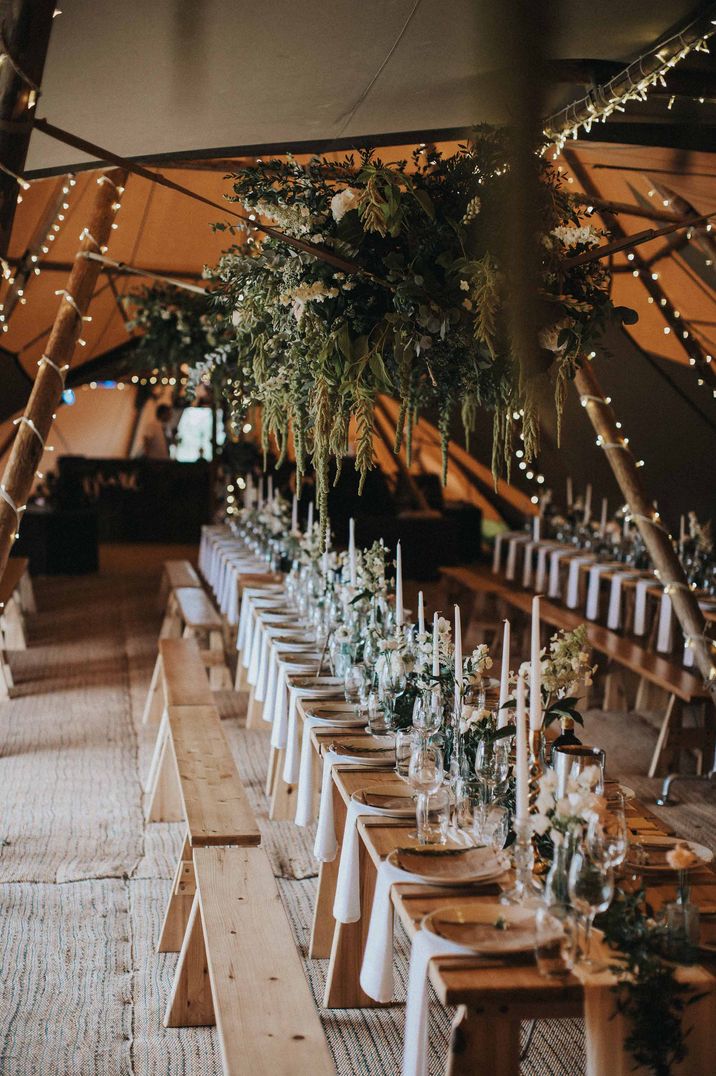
(352, 550)
(535, 669)
(521, 769)
(458, 658)
(436, 646)
(398, 587)
(421, 613)
(502, 718)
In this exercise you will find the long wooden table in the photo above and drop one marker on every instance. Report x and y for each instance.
(492, 1000)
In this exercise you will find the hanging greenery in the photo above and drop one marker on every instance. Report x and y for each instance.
(178, 327)
(424, 316)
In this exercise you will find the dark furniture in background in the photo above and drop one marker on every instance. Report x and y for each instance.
(138, 500)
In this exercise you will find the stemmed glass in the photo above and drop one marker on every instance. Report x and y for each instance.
(607, 838)
(392, 682)
(427, 713)
(354, 685)
(591, 888)
(492, 765)
(425, 775)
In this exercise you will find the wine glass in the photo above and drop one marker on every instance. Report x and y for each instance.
(591, 889)
(354, 686)
(608, 837)
(425, 775)
(492, 764)
(427, 712)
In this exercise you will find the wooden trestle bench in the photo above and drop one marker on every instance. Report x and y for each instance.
(238, 965)
(176, 574)
(681, 686)
(15, 594)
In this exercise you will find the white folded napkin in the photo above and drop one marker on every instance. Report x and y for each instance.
(304, 792)
(511, 566)
(595, 574)
(326, 843)
(663, 636)
(614, 613)
(554, 582)
(497, 553)
(376, 974)
(317, 691)
(541, 569)
(415, 1048)
(640, 591)
(527, 566)
(573, 575)
(346, 905)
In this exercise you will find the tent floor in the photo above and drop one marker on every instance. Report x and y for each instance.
(83, 882)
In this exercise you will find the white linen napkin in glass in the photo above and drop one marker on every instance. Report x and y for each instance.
(415, 1049)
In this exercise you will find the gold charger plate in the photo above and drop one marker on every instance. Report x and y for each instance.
(485, 928)
(450, 866)
(657, 846)
(392, 798)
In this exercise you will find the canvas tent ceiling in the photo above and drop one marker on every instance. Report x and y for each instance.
(174, 77)
(220, 75)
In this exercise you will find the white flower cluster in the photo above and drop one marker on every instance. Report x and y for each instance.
(574, 810)
(566, 665)
(297, 297)
(572, 235)
(477, 665)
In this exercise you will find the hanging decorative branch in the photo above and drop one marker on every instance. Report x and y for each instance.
(315, 346)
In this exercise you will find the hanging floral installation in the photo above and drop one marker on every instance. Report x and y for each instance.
(423, 315)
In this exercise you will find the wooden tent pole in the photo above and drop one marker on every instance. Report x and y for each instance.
(34, 426)
(658, 542)
(26, 27)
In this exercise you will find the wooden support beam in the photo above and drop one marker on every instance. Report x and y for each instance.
(689, 344)
(649, 212)
(26, 26)
(657, 541)
(24, 267)
(34, 427)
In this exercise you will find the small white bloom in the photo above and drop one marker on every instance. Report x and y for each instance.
(344, 201)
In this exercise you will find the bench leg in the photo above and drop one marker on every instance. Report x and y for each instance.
(165, 802)
(27, 594)
(13, 626)
(283, 801)
(615, 695)
(218, 674)
(157, 753)
(275, 763)
(6, 680)
(254, 712)
(343, 989)
(154, 706)
(673, 714)
(190, 1003)
(483, 1044)
(178, 908)
(171, 625)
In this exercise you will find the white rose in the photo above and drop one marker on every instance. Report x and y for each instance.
(344, 201)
